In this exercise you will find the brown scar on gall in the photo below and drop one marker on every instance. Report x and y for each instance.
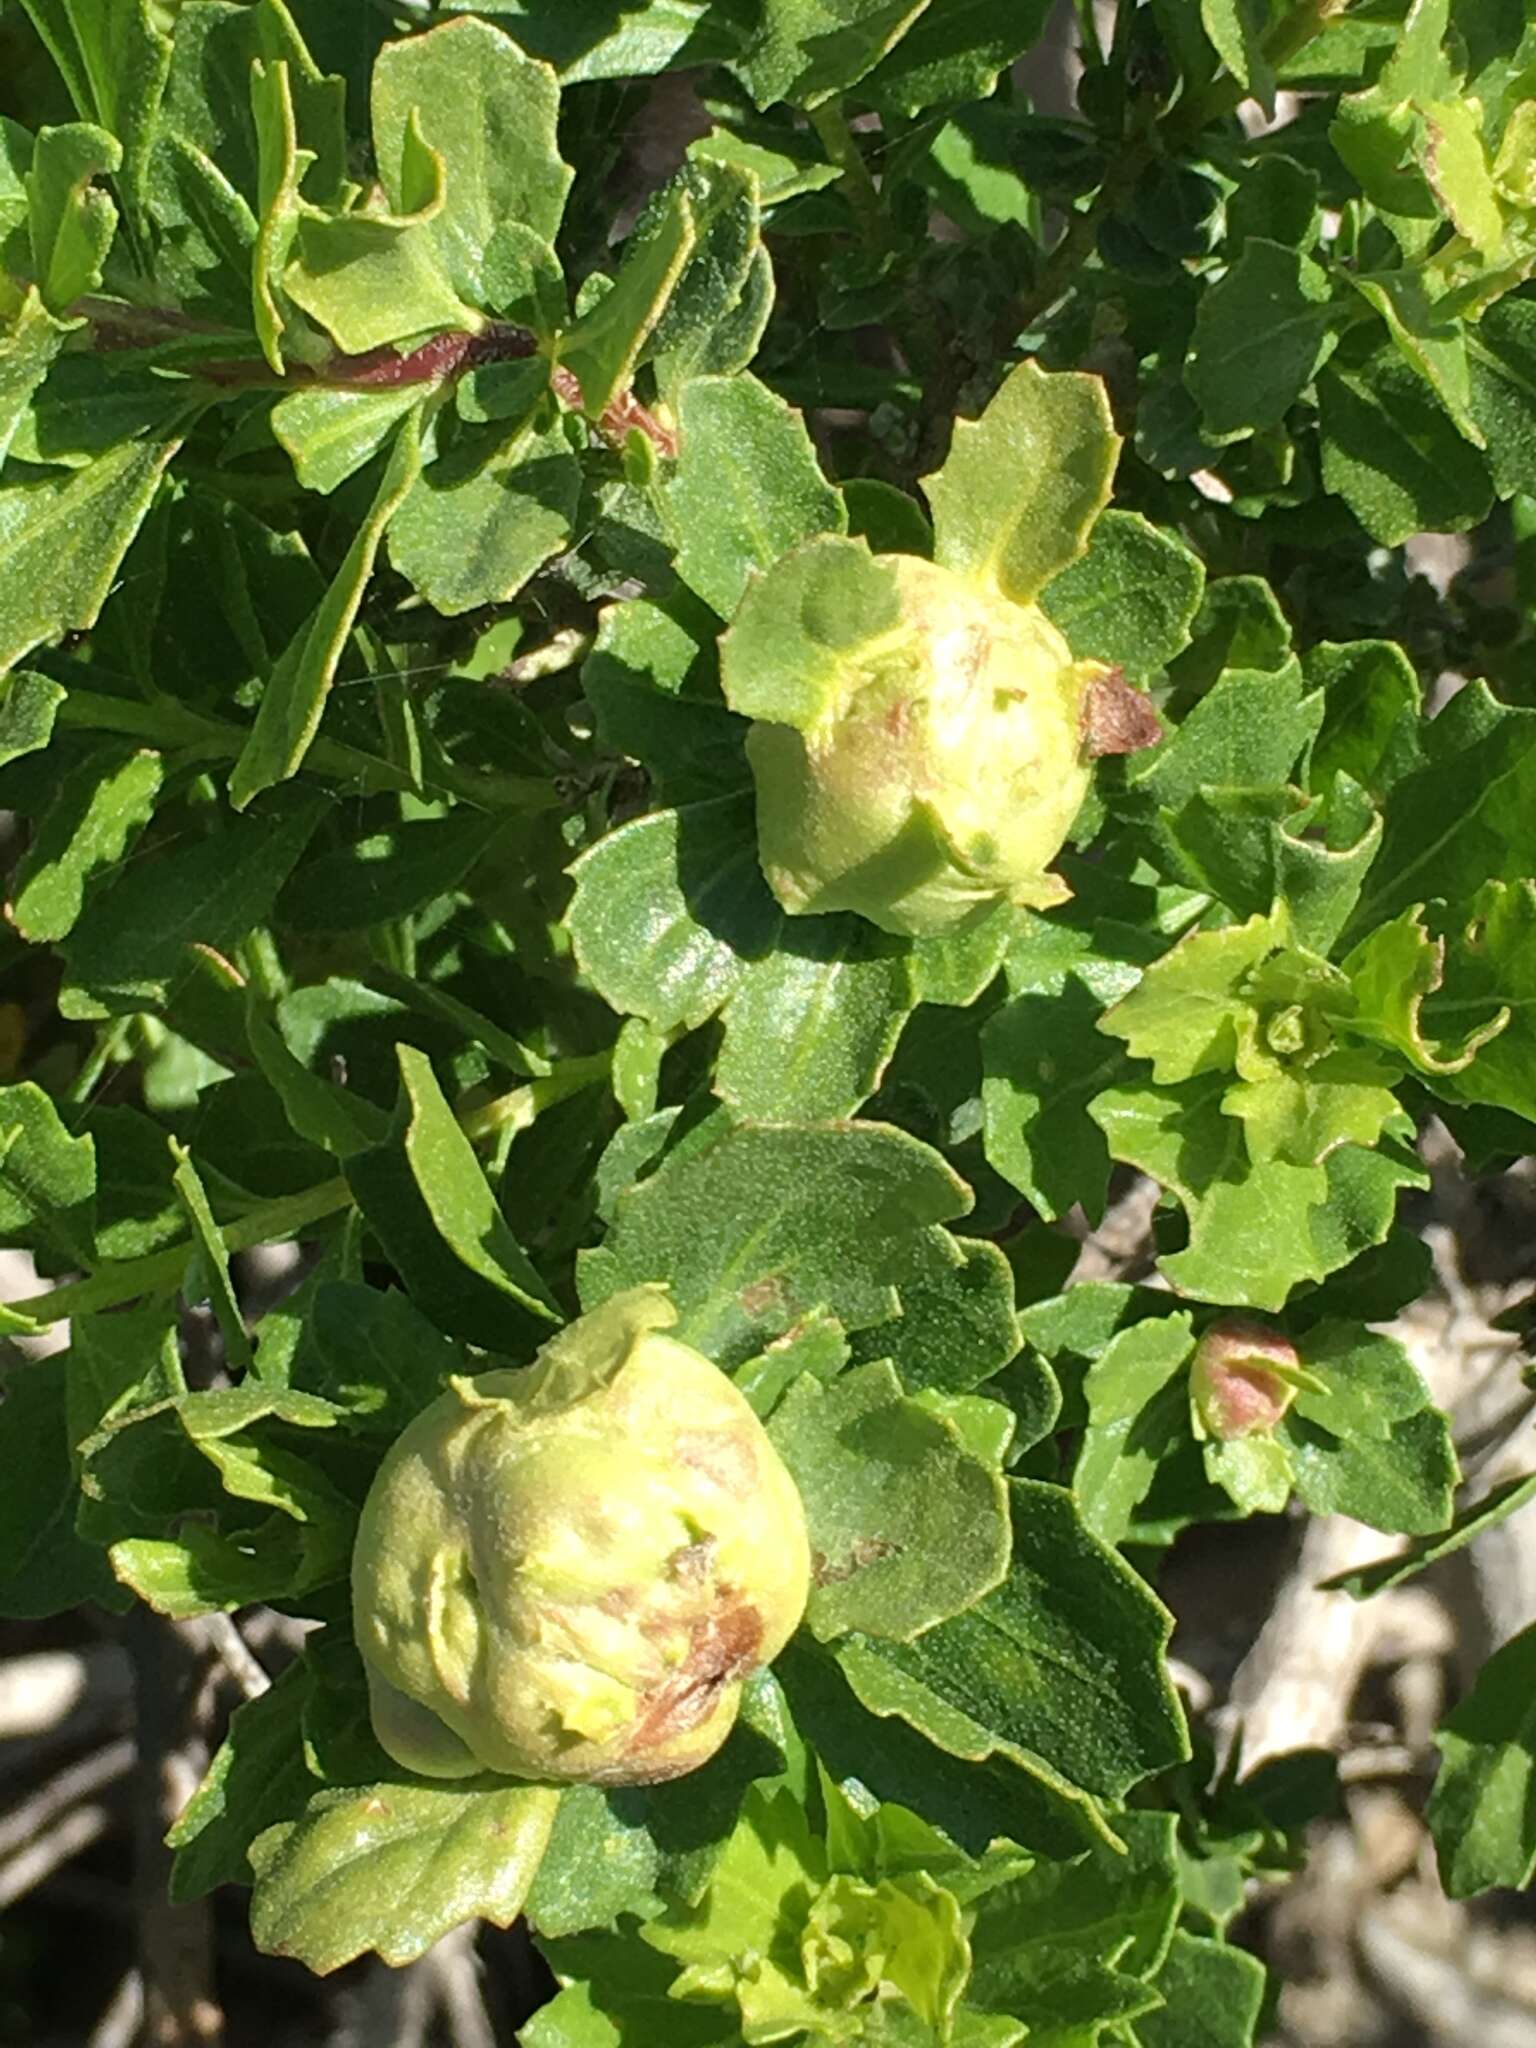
(725, 1646)
(1117, 718)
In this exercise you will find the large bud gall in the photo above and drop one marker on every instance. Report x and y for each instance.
(566, 1572)
(1242, 1379)
(934, 764)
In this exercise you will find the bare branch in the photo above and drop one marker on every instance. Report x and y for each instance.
(81, 1826)
(119, 2025)
(78, 1781)
(234, 1653)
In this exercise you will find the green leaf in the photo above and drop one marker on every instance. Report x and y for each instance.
(1464, 817)
(1212, 1996)
(649, 680)
(293, 700)
(1246, 732)
(1236, 27)
(1250, 1230)
(471, 529)
(135, 945)
(889, 520)
(603, 347)
(1482, 1811)
(1456, 164)
(92, 402)
(1429, 340)
(1059, 1670)
(373, 1355)
(386, 876)
(1394, 455)
(62, 541)
(1371, 703)
(1130, 599)
(1277, 201)
(70, 221)
(208, 1275)
(962, 1780)
(1378, 134)
(1137, 1414)
(1042, 1941)
(47, 1178)
(100, 806)
(1495, 1506)
(584, 40)
(806, 50)
(1365, 1383)
(907, 1526)
(811, 1028)
(490, 113)
(768, 1223)
(331, 433)
(425, 1196)
(47, 1568)
(957, 1325)
(200, 1571)
(28, 348)
(601, 2008)
(711, 320)
(771, 1867)
(1404, 1480)
(1191, 1011)
(1043, 1061)
(801, 631)
(746, 489)
(1257, 848)
(392, 1867)
(256, 1779)
(114, 62)
(1021, 486)
(1392, 973)
(783, 162)
(670, 909)
(1491, 973)
(1239, 625)
(955, 53)
(370, 279)
(1261, 335)
(280, 169)
(1501, 360)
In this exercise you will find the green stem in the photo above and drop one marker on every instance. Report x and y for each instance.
(841, 145)
(518, 1108)
(1078, 242)
(1287, 39)
(160, 1272)
(1089, 47)
(165, 723)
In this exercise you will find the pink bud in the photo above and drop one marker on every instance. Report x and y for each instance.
(1238, 1378)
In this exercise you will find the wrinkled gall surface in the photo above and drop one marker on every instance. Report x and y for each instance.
(566, 1572)
(940, 766)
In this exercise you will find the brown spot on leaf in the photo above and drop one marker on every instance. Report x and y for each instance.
(377, 1807)
(866, 1551)
(1118, 719)
(763, 1295)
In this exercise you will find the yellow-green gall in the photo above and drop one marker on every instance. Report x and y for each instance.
(934, 767)
(566, 1572)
